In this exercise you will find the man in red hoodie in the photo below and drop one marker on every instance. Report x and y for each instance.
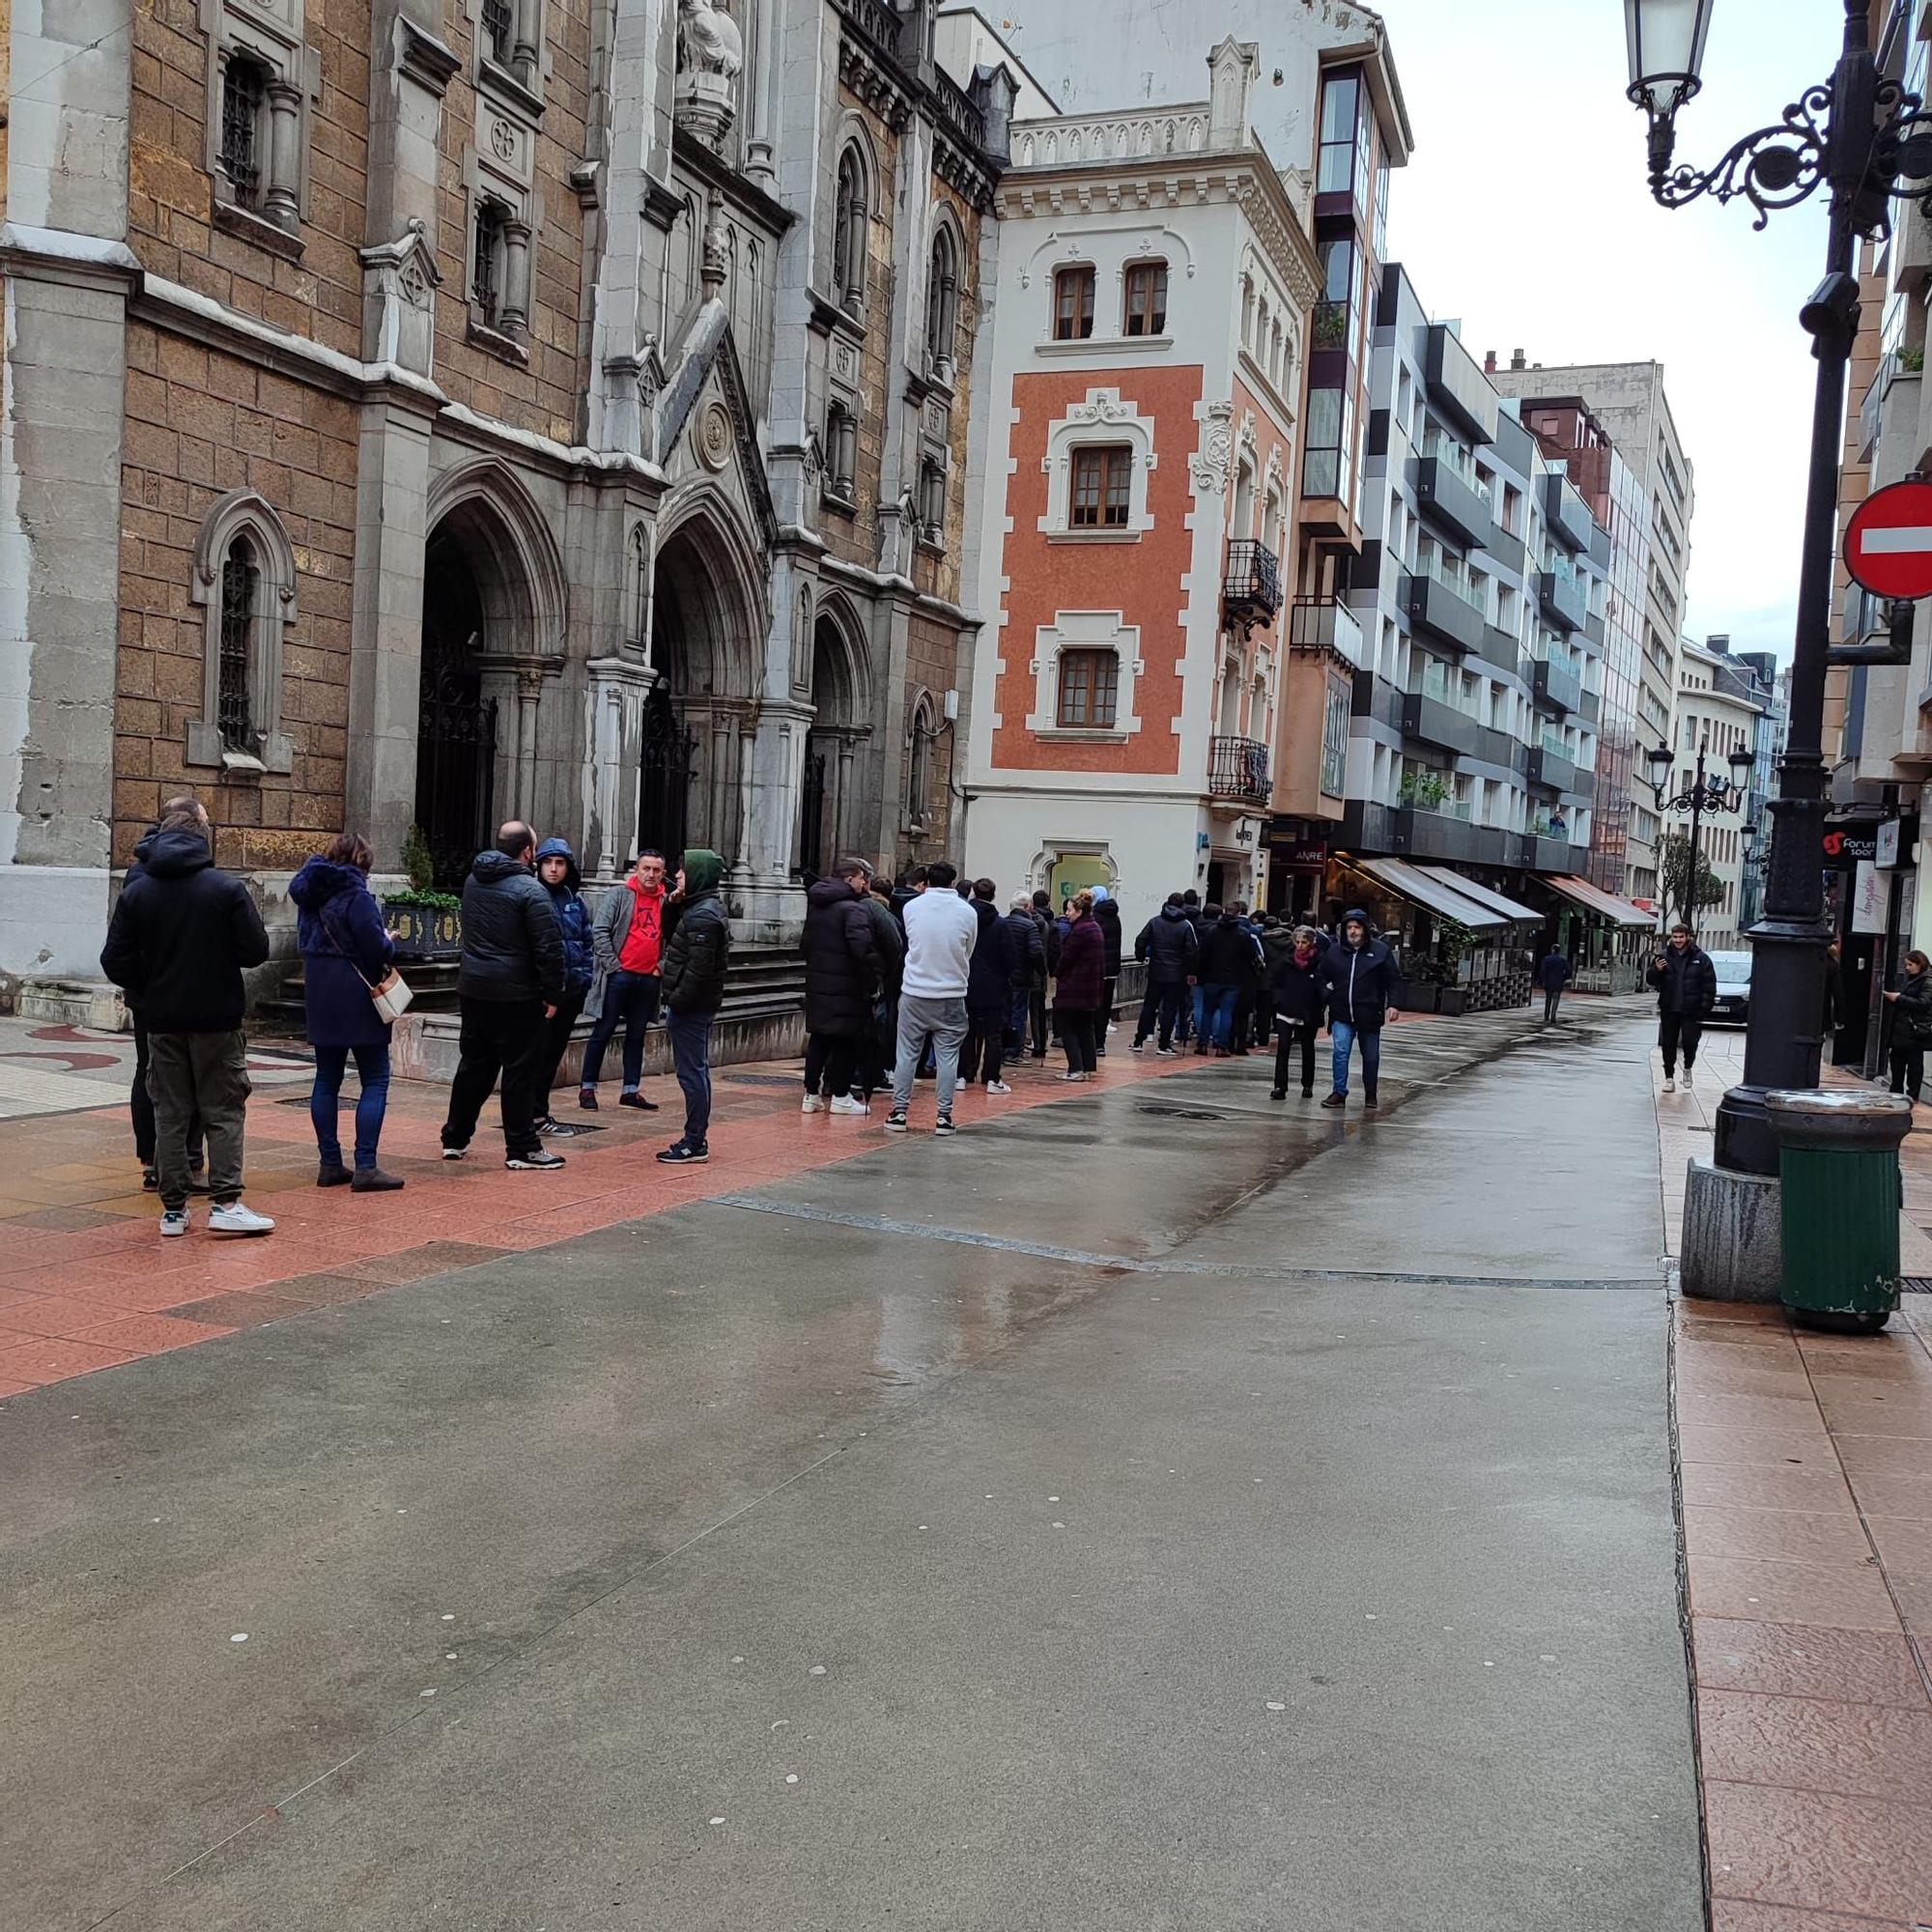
(628, 937)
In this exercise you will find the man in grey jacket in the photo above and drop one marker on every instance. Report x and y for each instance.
(510, 983)
(629, 935)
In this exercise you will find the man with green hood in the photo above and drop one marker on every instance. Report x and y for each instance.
(691, 981)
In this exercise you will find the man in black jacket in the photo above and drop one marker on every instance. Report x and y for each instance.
(1168, 944)
(1687, 989)
(695, 966)
(1230, 966)
(1107, 917)
(1358, 976)
(177, 943)
(1050, 939)
(510, 983)
(989, 980)
(841, 985)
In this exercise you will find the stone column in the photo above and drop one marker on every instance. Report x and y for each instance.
(741, 838)
(516, 310)
(282, 204)
(775, 776)
(385, 627)
(529, 694)
(841, 791)
(523, 41)
(617, 690)
(759, 146)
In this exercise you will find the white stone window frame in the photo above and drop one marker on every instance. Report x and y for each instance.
(521, 82)
(507, 335)
(243, 513)
(1109, 249)
(271, 35)
(1102, 420)
(1086, 631)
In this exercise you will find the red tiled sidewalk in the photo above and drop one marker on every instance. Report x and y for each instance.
(1805, 1462)
(87, 1283)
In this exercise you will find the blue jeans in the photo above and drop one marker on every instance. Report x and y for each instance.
(1216, 1015)
(1345, 1036)
(690, 1054)
(629, 1002)
(372, 1068)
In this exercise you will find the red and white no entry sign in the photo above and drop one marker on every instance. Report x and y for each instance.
(1888, 541)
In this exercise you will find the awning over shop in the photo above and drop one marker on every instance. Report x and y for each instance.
(1487, 896)
(1432, 891)
(1594, 898)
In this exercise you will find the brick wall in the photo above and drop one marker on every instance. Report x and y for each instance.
(201, 423)
(540, 395)
(170, 200)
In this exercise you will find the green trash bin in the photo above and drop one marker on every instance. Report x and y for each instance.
(1841, 1195)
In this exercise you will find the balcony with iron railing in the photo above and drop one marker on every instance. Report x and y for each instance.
(1251, 590)
(1237, 770)
(1325, 623)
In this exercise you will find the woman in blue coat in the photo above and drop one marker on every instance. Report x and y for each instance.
(345, 950)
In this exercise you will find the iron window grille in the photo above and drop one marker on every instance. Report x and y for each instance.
(497, 28)
(243, 95)
(487, 285)
(240, 580)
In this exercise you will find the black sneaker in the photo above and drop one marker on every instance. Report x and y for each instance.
(637, 1101)
(1336, 1100)
(681, 1153)
(151, 1181)
(895, 1122)
(1138, 1046)
(586, 1098)
(540, 1159)
(944, 1125)
(1277, 1092)
(558, 1130)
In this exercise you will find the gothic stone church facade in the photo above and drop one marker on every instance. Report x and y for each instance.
(421, 413)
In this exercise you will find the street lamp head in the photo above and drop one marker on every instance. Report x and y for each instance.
(1666, 42)
(1660, 756)
(1740, 762)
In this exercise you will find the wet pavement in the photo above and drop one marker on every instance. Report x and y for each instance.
(1156, 1508)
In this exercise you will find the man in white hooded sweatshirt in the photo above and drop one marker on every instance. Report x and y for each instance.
(940, 931)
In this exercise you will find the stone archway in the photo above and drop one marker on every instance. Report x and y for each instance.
(709, 635)
(828, 812)
(456, 722)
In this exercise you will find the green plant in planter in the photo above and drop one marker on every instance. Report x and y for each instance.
(1424, 789)
(1457, 939)
(417, 865)
(1912, 360)
(427, 902)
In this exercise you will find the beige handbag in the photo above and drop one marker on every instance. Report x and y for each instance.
(391, 993)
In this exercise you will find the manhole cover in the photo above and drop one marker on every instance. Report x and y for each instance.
(1915, 1283)
(1179, 1113)
(765, 1079)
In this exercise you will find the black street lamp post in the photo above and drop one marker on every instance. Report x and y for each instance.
(1701, 795)
(1858, 136)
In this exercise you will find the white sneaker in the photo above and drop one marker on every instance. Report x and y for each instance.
(1670, 1086)
(238, 1218)
(1689, 1080)
(843, 1103)
(998, 1087)
(813, 1104)
(174, 1221)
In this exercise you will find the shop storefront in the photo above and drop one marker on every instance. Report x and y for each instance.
(1607, 941)
(1872, 891)
(1463, 947)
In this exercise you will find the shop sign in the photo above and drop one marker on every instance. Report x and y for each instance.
(1309, 856)
(1871, 897)
(1885, 851)
(1845, 847)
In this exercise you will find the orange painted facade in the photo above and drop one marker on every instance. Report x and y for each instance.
(1142, 576)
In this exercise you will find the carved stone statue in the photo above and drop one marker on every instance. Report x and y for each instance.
(708, 40)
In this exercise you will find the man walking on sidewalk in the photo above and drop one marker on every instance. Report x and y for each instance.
(1687, 989)
(694, 965)
(940, 931)
(1553, 975)
(510, 983)
(1358, 976)
(177, 943)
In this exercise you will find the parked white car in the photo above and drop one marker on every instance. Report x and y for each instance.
(1733, 971)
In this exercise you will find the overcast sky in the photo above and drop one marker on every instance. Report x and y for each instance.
(1524, 214)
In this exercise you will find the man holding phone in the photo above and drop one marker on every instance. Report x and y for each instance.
(1687, 989)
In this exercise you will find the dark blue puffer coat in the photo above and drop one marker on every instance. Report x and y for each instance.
(345, 949)
(580, 956)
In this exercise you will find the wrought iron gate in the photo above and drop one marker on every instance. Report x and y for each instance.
(666, 768)
(456, 756)
(811, 812)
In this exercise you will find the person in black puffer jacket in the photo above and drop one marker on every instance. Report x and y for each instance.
(1229, 968)
(1027, 951)
(1107, 917)
(990, 995)
(558, 874)
(1910, 1002)
(842, 985)
(511, 980)
(694, 965)
(1357, 977)
(177, 943)
(1168, 944)
(1687, 989)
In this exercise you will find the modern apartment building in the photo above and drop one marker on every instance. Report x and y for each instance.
(1144, 386)
(1568, 433)
(1720, 711)
(1482, 592)
(1628, 401)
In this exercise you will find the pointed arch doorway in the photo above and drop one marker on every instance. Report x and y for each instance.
(828, 807)
(456, 722)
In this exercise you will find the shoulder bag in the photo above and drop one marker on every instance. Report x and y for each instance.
(390, 994)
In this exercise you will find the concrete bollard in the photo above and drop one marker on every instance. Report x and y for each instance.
(1733, 1229)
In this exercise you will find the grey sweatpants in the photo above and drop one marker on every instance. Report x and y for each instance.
(205, 1073)
(946, 1021)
